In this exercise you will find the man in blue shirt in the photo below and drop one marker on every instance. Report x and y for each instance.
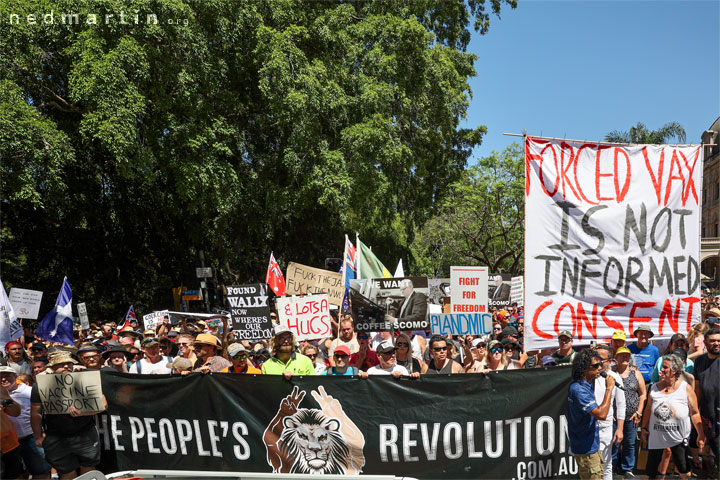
(644, 354)
(584, 412)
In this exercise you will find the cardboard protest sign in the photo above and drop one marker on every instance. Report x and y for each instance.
(82, 390)
(499, 290)
(83, 316)
(250, 311)
(613, 239)
(461, 323)
(390, 304)
(307, 317)
(468, 289)
(517, 291)
(304, 280)
(152, 320)
(26, 303)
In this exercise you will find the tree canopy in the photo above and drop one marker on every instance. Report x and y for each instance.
(130, 143)
(640, 134)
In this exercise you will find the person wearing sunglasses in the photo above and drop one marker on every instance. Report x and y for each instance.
(312, 352)
(342, 364)
(475, 351)
(583, 412)
(565, 354)
(404, 353)
(366, 357)
(388, 365)
(238, 355)
(495, 359)
(441, 363)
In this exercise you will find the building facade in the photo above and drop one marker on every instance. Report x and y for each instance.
(709, 229)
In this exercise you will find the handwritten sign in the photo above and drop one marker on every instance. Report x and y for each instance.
(82, 390)
(26, 303)
(307, 317)
(468, 289)
(461, 323)
(613, 239)
(250, 311)
(152, 320)
(304, 280)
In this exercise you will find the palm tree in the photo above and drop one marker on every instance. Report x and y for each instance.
(640, 134)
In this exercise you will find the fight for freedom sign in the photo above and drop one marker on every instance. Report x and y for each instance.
(611, 239)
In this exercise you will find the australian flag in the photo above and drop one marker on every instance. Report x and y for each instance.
(349, 263)
(57, 325)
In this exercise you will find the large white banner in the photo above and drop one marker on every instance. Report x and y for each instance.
(612, 239)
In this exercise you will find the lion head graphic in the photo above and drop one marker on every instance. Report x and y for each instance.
(315, 441)
(664, 412)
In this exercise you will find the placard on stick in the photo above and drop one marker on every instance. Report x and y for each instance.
(468, 289)
(250, 311)
(59, 391)
(307, 317)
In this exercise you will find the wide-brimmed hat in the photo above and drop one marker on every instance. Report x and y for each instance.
(207, 339)
(117, 349)
(60, 357)
(180, 363)
(643, 327)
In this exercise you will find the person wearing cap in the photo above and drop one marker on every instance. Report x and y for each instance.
(677, 341)
(635, 396)
(38, 350)
(388, 365)
(33, 456)
(565, 354)
(346, 337)
(89, 357)
(548, 361)
(617, 340)
(206, 348)
(342, 364)
(17, 359)
(152, 362)
(238, 355)
(644, 353)
(440, 363)
(149, 333)
(70, 440)
(583, 412)
(180, 366)
(610, 433)
(117, 359)
(495, 359)
(285, 360)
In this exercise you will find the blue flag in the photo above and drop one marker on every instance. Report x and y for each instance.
(57, 325)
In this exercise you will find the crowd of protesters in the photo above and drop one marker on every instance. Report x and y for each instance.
(602, 432)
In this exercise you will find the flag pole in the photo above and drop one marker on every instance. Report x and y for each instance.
(358, 255)
(344, 262)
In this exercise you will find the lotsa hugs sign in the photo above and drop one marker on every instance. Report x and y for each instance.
(612, 239)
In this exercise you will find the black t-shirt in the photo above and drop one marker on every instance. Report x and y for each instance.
(702, 363)
(64, 424)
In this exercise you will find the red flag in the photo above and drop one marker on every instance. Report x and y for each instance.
(274, 277)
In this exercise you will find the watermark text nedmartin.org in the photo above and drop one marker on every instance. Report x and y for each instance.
(118, 18)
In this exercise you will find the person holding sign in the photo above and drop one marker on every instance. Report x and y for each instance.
(70, 440)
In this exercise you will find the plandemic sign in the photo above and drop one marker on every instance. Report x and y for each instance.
(612, 239)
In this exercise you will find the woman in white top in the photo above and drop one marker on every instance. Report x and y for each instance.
(666, 421)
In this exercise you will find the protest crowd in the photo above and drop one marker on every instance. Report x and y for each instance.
(604, 421)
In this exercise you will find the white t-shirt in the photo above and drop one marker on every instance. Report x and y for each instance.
(376, 370)
(21, 395)
(152, 368)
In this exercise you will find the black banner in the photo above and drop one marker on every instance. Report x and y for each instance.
(509, 424)
(250, 311)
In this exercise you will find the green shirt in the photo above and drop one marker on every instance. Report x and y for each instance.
(298, 364)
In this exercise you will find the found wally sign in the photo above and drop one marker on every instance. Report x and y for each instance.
(307, 317)
(81, 390)
(615, 239)
(468, 289)
(250, 311)
(304, 280)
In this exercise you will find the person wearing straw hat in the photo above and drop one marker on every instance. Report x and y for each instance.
(70, 440)
(206, 348)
